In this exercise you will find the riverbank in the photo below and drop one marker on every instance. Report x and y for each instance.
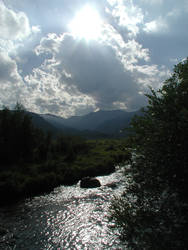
(23, 180)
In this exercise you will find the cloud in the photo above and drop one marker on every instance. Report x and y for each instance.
(127, 15)
(36, 29)
(52, 71)
(164, 30)
(11, 83)
(17, 37)
(94, 69)
(48, 95)
(13, 25)
(14, 29)
(156, 26)
(152, 2)
(105, 72)
(8, 69)
(128, 50)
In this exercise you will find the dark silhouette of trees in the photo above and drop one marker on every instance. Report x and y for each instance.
(19, 139)
(153, 212)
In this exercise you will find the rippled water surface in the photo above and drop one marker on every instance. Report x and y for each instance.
(67, 218)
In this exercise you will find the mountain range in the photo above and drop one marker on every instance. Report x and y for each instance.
(93, 125)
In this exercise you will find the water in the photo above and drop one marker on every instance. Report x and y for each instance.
(67, 218)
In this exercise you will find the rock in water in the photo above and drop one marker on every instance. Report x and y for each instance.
(89, 182)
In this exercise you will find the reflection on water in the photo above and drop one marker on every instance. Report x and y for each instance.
(67, 218)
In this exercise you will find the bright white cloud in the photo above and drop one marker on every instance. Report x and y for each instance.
(6, 46)
(36, 29)
(11, 84)
(48, 93)
(49, 44)
(13, 25)
(150, 76)
(156, 26)
(14, 28)
(128, 52)
(8, 69)
(127, 15)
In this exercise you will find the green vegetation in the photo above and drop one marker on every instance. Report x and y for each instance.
(33, 162)
(152, 213)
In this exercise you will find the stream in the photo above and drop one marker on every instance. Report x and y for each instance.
(67, 218)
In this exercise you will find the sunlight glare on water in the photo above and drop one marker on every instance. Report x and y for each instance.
(67, 218)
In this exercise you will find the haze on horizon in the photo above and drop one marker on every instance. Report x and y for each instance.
(74, 57)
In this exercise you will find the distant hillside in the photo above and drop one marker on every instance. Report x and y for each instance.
(116, 126)
(69, 127)
(95, 125)
(41, 123)
(59, 123)
(93, 120)
(101, 123)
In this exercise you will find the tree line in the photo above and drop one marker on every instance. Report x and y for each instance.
(21, 141)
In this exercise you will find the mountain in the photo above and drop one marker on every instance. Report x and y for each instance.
(95, 125)
(58, 122)
(70, 127)
(41, 123)
(44, 123)
(105, 123)
(117, 125)
(93, 120)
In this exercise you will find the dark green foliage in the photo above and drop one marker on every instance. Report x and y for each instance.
(152, 213)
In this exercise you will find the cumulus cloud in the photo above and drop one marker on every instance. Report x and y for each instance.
(129, 50)
(164, 30)
(93, 70)
(53, 72)
(36, 29)
(127, 15)
(47, 94)
(8, 69)
(105, 71)
(13, 25)
(14, 28)
(11, 83)
(156, 26)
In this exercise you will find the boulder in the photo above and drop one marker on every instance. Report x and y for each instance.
(89, 182)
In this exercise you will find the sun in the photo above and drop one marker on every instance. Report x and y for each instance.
(86, 24)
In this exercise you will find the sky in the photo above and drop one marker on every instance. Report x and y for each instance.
(72, 57)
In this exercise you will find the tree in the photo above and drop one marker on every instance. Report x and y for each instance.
(17, 136)
(152, 213)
